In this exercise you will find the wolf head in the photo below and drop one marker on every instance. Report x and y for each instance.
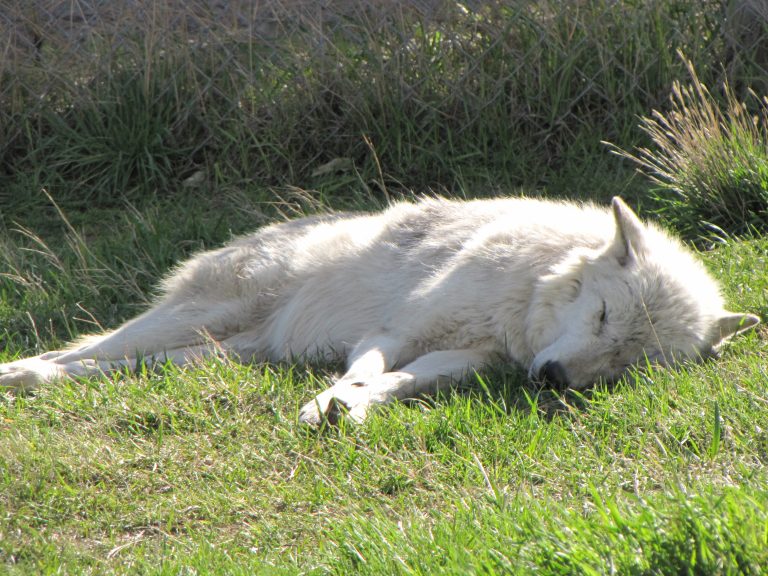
(640, 298)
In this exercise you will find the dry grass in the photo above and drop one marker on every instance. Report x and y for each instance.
(709, 159)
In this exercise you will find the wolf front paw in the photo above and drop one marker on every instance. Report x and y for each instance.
(348, 400)
(354, 399)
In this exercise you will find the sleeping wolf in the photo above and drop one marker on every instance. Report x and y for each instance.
(423, 293)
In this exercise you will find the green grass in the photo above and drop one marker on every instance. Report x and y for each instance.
(117, 163)
(207, 468)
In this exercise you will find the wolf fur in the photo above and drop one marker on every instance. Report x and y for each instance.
(424, 293)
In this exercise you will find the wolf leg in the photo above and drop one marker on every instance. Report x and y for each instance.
(422, 376)
(168, 328)
(29, 373)
(372, 357)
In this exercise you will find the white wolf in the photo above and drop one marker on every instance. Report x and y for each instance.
(425, 293)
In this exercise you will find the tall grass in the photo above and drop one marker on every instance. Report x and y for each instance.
(128, 131)
(710, 160)
(503, 93)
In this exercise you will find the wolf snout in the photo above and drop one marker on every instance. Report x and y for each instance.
(553, 374)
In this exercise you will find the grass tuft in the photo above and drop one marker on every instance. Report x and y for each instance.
(710, 161)
(130, 133)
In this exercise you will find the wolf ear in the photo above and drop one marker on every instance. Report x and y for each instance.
(628, 241)
(730, 324)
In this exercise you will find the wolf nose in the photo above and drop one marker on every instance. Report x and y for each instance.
(553, 374)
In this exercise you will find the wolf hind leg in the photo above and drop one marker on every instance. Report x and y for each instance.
(169, 329)
(28, 374)
(164, 327)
